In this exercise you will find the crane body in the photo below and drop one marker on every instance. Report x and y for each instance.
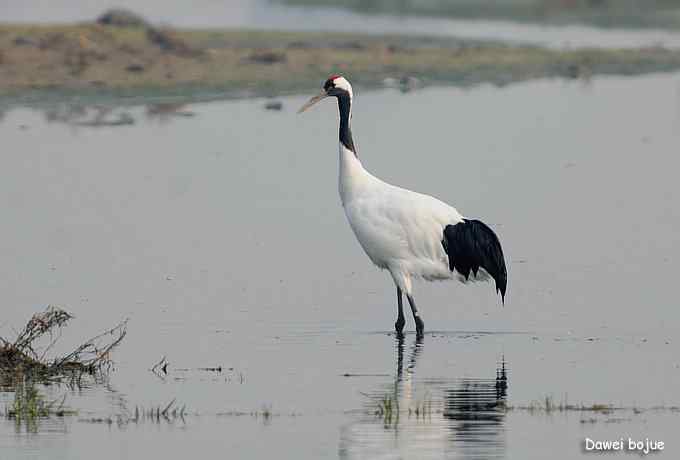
(409, 234)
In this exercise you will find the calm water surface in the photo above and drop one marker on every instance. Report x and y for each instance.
(221, 237)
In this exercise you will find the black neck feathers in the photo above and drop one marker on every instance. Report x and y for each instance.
(345, 107)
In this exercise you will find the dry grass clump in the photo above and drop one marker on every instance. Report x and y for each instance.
(28, 353)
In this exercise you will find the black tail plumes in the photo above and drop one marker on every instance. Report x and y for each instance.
(470, 245)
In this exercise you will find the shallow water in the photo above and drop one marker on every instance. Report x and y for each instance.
(262, 14)
(221, 236)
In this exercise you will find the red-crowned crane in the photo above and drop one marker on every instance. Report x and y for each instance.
(411, 235)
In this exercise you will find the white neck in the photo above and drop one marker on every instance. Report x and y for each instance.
(352, 177)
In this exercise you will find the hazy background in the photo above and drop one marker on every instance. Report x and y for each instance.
(215, 226)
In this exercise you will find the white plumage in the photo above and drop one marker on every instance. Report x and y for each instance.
(410, 234)
(400, 230)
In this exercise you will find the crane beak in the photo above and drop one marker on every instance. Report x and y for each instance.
(313, 101)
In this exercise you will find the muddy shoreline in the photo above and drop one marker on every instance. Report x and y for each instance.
(43, 64)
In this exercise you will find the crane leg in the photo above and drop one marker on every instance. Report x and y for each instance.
(420, 325)
(399, 325)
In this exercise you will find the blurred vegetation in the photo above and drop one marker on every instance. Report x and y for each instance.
(603, 13)
(38, 62)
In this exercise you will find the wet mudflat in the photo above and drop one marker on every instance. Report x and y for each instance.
(100, 61)
(221, 237)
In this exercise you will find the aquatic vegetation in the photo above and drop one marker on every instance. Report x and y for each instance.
(29, 406)
(24, 364)
(169, 413)
(27, 355)
(266, 413)
(388, 408)
(548, 405)
(162, 370)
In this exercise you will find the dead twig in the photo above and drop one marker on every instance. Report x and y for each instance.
(164, 413)
(25, 354)
(162, 365)
(95, 353)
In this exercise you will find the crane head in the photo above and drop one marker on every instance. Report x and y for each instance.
(334, 86)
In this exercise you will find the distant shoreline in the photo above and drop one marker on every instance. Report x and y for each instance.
(44, 63)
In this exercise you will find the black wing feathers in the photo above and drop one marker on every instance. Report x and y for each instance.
(470, 245)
